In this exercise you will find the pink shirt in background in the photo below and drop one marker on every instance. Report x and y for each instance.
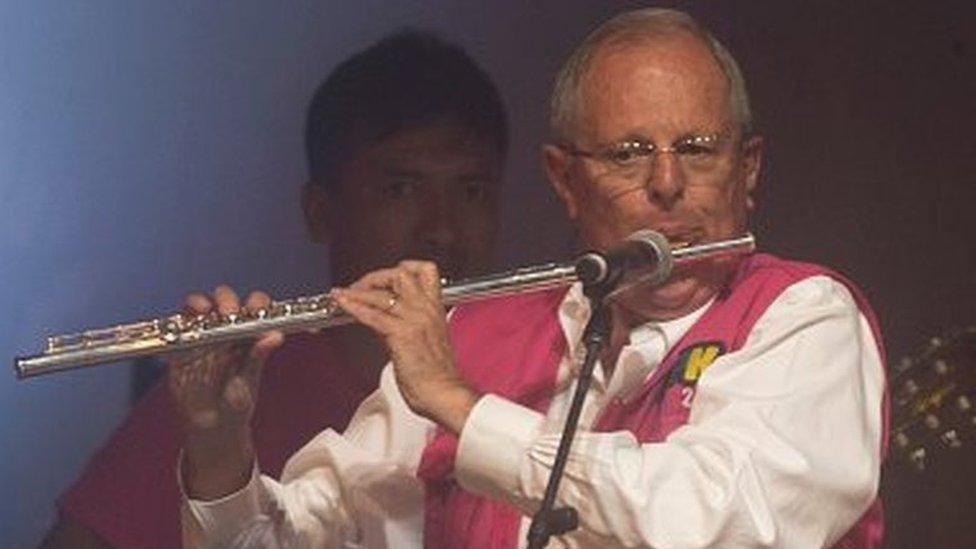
(128, 494)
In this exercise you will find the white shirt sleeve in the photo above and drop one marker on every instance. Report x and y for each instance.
(782, 448)
(354, 489)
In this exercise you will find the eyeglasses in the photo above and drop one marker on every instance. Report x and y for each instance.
(633, 158)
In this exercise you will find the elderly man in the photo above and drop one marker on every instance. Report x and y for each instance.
(400, 166)
(740, 403)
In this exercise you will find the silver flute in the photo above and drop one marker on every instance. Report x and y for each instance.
(181, 332)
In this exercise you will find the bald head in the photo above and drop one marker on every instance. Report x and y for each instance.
(654, 29)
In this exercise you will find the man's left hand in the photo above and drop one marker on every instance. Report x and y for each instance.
(403, 305)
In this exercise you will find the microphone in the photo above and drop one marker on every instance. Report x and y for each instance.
(644, 257)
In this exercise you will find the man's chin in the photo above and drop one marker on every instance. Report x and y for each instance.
(676, 292)
(676, 298)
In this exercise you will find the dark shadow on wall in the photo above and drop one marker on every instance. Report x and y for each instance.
(867, 108)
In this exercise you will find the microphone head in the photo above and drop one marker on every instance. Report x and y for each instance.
(644, 256)
(655, 264)
(653, 240)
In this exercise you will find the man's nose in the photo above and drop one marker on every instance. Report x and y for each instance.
(438, 220)
(665, 178)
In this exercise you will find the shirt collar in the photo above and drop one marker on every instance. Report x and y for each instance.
(574, 312)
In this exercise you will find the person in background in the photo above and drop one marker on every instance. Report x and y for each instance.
(406, 142)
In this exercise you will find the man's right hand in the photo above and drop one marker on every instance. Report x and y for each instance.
(215, 390)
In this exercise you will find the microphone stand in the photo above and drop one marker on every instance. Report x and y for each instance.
(549, 521)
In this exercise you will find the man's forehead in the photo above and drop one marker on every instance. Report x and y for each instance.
(471, 163)
(671, 79)
(679, 47)
(428, 151)
(426, 138)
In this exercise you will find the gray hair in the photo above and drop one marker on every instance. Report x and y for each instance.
(567, 99)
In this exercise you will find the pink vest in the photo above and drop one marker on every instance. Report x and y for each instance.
(512, 347)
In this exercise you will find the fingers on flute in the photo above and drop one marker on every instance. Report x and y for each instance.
(376, 280)
(405, 277)
(373, 291)
(420, 281)
(408, 278)
(376, 299)
(426, 273)
(265, 345)
(226, 300)
(367, 307)
(198, 303)
(267, 342)
(409, 285)
(257, 300)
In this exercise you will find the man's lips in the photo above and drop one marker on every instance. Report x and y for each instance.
(680, 236)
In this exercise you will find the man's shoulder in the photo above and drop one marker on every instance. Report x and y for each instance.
(769, 274)
(769, 267)
(765, 277)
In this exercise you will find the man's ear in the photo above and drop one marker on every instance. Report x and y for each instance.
(556, 163)
(752, 154)
(318, 212)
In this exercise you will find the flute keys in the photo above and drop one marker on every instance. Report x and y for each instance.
(172, 328)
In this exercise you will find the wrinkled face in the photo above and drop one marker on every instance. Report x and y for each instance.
(428, 192)
(670, 96)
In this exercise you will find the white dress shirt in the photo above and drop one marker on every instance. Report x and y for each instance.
(782, 448)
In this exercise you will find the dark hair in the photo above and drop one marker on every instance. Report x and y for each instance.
(407, 79)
